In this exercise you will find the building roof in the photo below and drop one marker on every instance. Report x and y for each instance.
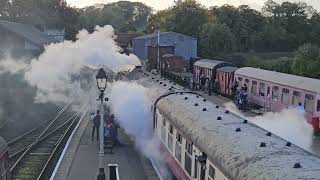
(155, 34)
(125, 38)
(28, 32)
(238, 155)
(290, 80)
(227, 69)
(3, 146)
(208, 63)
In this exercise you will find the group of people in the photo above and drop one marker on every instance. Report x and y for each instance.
(205, 85)
(240, 95)
(110, 127)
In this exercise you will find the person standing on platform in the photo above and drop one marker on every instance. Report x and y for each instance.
(96, 125)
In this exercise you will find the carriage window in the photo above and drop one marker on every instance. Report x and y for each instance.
(285, 96)
(164, 122)
(296, 98)
(179, 138)
(212, 172)
(318, 105)
(196, 167)
(188, 158)
(254, 87)
(178, 147)
(170, 138)
(239, 78)
(247, 80)
(171, 129)
(308, 103)
(262, 89)
(163, 130)
(275, 93)
(189, 148)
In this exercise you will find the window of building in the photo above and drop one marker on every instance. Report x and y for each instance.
(308, 103)
(262, 89)
(318, 105)
(212, 172)
(296, 98)
(239, 78)
(275, 93)
(285, 96)
(254, 87)
(247, 80)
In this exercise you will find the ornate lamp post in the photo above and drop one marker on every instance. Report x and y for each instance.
(102, 85)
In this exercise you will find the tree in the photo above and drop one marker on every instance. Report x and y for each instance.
(307, 61)
(185, 17)
(216, 39)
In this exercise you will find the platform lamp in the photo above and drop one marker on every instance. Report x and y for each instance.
(101, 79)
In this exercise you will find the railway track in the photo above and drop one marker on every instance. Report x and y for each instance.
(18, 145)
(36, 159)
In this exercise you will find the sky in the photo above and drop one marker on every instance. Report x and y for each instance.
(163, 4)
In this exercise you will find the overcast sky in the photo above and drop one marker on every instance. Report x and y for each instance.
(162, 4)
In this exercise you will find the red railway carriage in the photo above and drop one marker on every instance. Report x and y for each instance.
(4, 165)
(225, 77)
(207, 68)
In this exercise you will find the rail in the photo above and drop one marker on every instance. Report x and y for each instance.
(35, 159)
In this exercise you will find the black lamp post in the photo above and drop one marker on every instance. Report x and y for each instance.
(101, 79)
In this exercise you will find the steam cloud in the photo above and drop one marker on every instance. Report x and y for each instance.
(132, 108)
(54, 72)
(288, 124)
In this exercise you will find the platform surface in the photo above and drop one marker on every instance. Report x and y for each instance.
(81, 160)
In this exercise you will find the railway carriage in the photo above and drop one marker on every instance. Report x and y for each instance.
(276, 91)
(225, 77)
(202, 141)
(4, 165)
(207, 68)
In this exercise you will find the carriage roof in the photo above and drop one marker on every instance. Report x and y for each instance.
(211, 64)
(237, 154)
(294, 81)
(227, 69)
(3, 146)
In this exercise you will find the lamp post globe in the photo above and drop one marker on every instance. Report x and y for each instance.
(101, 79)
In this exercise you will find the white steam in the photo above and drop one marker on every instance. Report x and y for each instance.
(56, 72)
(132, 108)
(288, 124)
(12, 66)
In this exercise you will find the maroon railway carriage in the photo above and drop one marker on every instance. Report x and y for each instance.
(225, 77)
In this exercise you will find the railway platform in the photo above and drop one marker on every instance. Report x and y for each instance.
(80, 159)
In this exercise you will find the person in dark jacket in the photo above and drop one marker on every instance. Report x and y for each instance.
(96, 125)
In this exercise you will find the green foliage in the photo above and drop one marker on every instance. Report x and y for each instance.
(216, 39)
(185, 17)
(124, 16)
(307, 61)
